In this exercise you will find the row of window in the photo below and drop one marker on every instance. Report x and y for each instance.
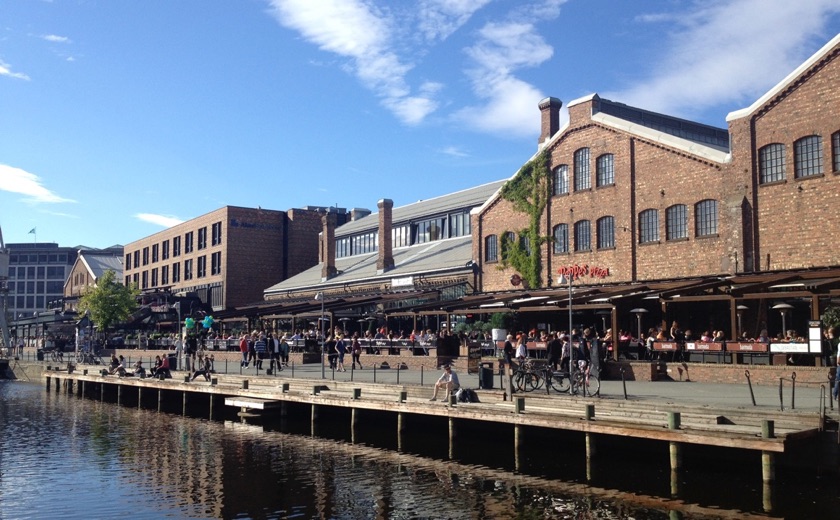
(404, 235)
(21, 258)
(31, 302)
(604, 173)
(161, 251)
(36, 272)
(807, 159)
(35, 287)
(676, 228)
(157, 277)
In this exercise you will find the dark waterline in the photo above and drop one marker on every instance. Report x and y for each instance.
(62, 456)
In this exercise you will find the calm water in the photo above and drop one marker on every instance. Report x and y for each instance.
(62, 456)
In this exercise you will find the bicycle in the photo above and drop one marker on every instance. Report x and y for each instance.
(84, 357)
(528, 377)
(582, 381)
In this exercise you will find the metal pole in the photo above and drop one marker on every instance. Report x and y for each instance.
(571, 345)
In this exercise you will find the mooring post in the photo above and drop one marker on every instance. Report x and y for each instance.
(245, 384)
(453, 433)
(400, 430)
(768, 466)
(357, 394)
(285, 388)
(160, 399)
(354, 424)
(591, 450)
(519, 405)
(139, 397)
(211, 406)
(403, 396)
(48, 383)
(518, 443)
(675, 448)
(314, 418)
(184, 405)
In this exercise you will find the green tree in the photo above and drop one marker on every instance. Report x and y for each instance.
(528, 192)
(109, 302)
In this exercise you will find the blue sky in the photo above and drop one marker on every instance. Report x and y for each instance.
(120, 118)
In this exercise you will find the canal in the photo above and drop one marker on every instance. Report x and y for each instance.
(69, 457)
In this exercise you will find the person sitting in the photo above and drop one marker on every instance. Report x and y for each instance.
(205, 370)
(164, 367)
(447, 380)
(154, 370)
(115, 365)
(139, 371)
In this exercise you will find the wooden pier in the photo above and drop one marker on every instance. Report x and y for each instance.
(259, 399)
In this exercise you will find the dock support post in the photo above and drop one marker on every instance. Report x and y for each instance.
(57, 385)
(211, 406)
(184, 405)
(768, 467)
(139, 397)
(400, 428)
(69, 386)
(354, 424)
(160, 399)
(102, 392)
(453, 433)
(518, 443)
(84, 388)
(314, 420)
(119, 394)
(48, 383)
(80, 388)
(675, 448)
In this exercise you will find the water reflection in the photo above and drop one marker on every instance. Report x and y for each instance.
(77, 458)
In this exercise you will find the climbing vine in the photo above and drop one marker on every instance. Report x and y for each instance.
(528, 192)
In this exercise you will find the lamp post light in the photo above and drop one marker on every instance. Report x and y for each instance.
(783, 309)
(320, 297)
(567, 279)
(603, 314)
(638, 312)
(741, 309)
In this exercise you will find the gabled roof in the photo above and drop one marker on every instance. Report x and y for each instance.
(430, 258)
(98, 263)
(466, 199)
(790, 78)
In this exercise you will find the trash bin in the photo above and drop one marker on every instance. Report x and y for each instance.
(39, 355)
(485, 376)
(173, 361)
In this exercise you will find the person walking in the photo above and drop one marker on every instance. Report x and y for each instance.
(356, 351)
(243, 348)
(341, 350)
(447, 380)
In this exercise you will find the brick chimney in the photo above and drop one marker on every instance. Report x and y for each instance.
(549, 117)
(385, 258)
(327, 253)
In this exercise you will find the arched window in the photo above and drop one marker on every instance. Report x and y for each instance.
(583, 236)
(606, 233)
(561, 239)
(582, 179)
(706, 218)
(649, 226)
(491, 248)
(676, 222)
(835, 150)
(807, 157)
(771, 163)
(604, 170)
(561, 179)
(525, 244)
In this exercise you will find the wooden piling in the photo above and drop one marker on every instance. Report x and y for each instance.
(675, 448)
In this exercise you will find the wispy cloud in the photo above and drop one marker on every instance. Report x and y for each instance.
(56, 39)
(727, 52)
(160, 220)
(454, 151)
(438, 19)
(502, 50)
(15, 180)
(6, 70)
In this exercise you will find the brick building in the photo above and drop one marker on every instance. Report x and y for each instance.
(658, 199)
(90, 265)
(228, 256)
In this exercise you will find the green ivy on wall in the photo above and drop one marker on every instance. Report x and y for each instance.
(528, 192)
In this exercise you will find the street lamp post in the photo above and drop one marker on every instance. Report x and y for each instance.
(320, 296)
(567, 279)
(638, 312)
(783, 309)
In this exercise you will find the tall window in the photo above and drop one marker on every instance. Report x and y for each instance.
(176, 272)
(216, 263)
(165, 250)
(154, 277)
(155, 254)
(176, 246)
(706, 217)
(649, 226)
(188, 247)
(188, 269)
(604, 170)
(164, 275)
(771, 163)
(835, 150)
(561, 179)
(606, 233)
(217, 234)
(583, 236)
(676, 222)
(202, 266)
(342, 247)
(491, 248)
(145, 256)
(401, 236)
(145, 280)
(459, 224)
(127, 264)
(582, 180)
(525, 244)
(561, 239)
(807, 156)
(202, 237)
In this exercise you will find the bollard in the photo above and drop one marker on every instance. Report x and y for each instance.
(85, 372)
(285, 388)
(519, 405)
(623, 383)
(673, 420)
(453, 401)
(316, 389)
(186, 379)
(403, 395)
(245, 384)
(357, 394)
(590, 412)
(781, 395)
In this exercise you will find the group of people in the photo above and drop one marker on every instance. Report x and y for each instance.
(260, 345)
(561, 347)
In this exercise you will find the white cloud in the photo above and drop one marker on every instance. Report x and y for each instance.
(166, 221)
(15, 180)
(5, 70)
(56, 39)
(454, 151)
(509, 103)
(727, 52)
(438, 19)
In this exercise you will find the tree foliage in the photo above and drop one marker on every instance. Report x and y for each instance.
(528, 191)
(831, 317)
(109, 302)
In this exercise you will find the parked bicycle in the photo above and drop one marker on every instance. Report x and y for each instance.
(528, 376)
(583, 381)
(86, 357)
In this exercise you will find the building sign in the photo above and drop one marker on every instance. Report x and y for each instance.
(579, 271)
(405, 281)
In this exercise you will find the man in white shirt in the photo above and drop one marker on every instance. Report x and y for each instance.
(448, 380)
